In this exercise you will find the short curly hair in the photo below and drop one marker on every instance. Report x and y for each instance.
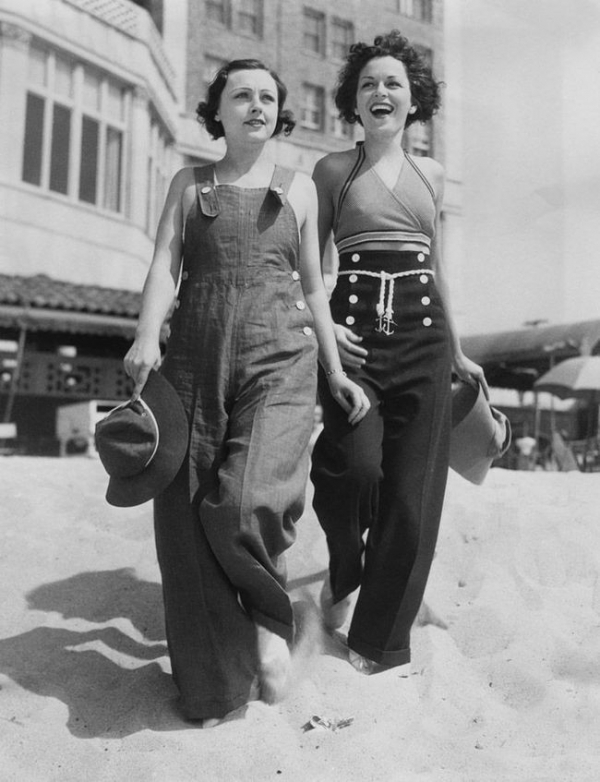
(207, 109)
(425, 91)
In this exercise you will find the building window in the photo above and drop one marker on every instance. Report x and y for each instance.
(417, 139)
(159, 174)
(340, 128)
(313, 100)
(314, 31)
(249, 17)
(421, 10)
(218, 11)
(74, 131)
(342, 36)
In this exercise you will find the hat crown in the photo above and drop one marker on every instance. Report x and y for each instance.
(127, 439)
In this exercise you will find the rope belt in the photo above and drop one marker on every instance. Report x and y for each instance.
(385, 308)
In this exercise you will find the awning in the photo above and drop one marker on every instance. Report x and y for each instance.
(64, 321)
(561, 341)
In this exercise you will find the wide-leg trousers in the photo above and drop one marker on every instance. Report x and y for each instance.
(379, 486)
(224, 524)
(221, 555)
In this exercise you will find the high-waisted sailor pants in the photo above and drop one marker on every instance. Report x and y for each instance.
(379, 485)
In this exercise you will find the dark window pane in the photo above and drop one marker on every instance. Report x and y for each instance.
(34, 134)
(88, 172)
(59, 156)
(215, 10)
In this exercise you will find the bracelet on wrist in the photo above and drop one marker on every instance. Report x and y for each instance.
(335, 372)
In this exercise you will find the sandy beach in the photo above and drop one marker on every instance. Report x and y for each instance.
(504, 682)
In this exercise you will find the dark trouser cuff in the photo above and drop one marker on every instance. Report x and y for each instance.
(389, 658)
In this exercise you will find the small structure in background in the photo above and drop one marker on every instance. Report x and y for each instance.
(563, 427)
(578, 378)
(75, 426)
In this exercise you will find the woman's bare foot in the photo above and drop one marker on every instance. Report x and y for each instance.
(275, 663)
(360, 663)
(366, 666)
(210, 723)
(334, 614)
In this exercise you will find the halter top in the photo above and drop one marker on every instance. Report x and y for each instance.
(368, 210)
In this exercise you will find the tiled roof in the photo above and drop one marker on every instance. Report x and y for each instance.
(44, 292)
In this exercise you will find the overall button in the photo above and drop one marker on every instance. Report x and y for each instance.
(300, 305)
(350, 320)
(421, 257)
(427, 321)
(206, 190)
(184, 275)
(353, 299)
(295, 275)
(307, 330)
(424, 278)
(355, 258)
(353, 278)
(425, 300)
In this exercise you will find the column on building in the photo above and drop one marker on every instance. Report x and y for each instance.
(14, 48)
(138, 155)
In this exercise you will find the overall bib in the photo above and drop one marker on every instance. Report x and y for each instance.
(242, 356)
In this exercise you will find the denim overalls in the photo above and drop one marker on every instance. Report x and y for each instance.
(242, 355)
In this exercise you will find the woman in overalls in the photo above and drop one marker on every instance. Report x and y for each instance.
(385, 477)
(250, 314)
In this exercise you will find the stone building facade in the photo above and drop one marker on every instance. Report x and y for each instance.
(97, 102)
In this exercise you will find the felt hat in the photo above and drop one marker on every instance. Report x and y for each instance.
(480, 433)
(142, 444)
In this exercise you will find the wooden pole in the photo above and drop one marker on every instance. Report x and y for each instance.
(14, 381)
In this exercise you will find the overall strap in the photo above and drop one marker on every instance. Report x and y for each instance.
(280, 183)
(346, 186)
(206, 192)
(421, 174)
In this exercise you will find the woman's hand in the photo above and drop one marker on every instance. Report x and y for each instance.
(470, 372)
(351, 353)
(350, 396)
(141, 357)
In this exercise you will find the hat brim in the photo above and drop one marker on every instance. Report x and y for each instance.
(480, 433)
(168, 410)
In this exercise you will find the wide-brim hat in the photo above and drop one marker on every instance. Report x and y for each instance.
(142, 444)
(480, 433)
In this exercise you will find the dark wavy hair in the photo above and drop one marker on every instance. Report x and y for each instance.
(207, 109)
(425, 91)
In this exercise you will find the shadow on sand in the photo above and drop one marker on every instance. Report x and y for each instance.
(109, 677)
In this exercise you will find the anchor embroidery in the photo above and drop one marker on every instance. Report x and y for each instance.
(384, 325)
(385, 311)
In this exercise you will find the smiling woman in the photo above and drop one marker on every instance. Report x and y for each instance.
(379, 486)
(240, 238)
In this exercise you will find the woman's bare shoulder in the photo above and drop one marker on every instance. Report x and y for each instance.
(433, 170)
(302, 195)
(335, 163)
(183, 179)
(302, 182)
